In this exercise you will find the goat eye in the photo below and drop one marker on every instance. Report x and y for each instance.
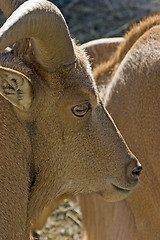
(81, 110)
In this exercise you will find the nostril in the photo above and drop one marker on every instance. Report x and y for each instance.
(136, 171)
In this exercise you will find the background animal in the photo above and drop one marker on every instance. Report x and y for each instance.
(56, 136)
(133, 100)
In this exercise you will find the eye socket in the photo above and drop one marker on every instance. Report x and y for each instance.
(81, 110)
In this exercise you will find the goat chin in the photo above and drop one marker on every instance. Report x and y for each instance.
(115, 194)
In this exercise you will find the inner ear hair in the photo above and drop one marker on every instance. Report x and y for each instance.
(16, 88)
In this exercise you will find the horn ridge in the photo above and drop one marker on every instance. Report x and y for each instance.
(43, 23)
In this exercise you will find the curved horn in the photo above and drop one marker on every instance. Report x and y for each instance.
(43, 23)
(9, 6)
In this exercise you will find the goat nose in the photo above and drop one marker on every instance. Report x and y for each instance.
(136, 171)
(133, 171)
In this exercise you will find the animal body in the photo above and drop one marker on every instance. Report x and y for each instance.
(129, 83)
(56, 136)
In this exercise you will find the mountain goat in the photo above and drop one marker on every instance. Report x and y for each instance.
(132, 97)
(56, 136)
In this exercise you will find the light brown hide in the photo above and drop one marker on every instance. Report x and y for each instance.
(134, 103)
(14, 169)
(96, 223)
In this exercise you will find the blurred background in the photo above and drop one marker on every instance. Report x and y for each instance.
(92, 19)
(88, 20)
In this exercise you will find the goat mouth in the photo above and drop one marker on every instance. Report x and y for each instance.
(120, 189)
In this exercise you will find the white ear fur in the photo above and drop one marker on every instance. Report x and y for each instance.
(16, 88)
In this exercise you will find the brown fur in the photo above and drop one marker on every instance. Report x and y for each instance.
(130, 37)
(48, 152)
(101, 50)
(133, 100)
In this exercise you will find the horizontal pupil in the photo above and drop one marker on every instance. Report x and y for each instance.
(81, 110)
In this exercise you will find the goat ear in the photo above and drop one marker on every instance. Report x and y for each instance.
(16, 88)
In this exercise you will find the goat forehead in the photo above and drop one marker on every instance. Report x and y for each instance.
(73, 77)
(84, 83)
(83, 86)
(82, 79)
